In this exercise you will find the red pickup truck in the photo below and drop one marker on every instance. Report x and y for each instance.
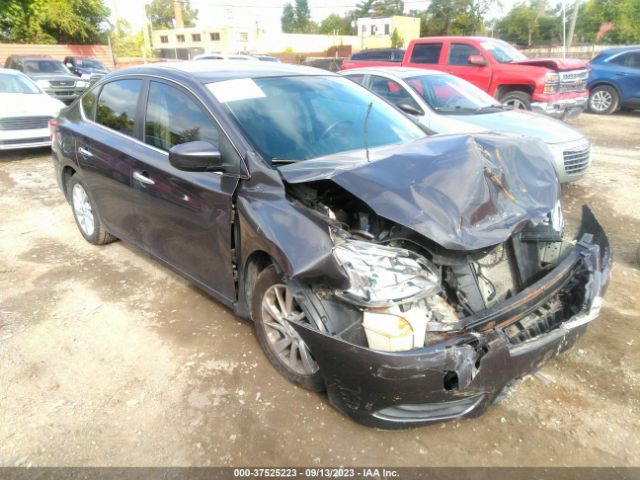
(552, 86)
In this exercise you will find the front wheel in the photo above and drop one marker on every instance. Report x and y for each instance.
(517, 100)
(603, 100)
(85, 214)
(272, 306)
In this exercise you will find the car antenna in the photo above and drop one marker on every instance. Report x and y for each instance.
(366, 130)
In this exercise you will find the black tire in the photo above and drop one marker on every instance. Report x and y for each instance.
(268, 280)
(517, 99)
(603, 100)
(96, 235)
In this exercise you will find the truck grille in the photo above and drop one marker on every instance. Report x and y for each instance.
(576, 159)
(573, 80)
(23, 123)
(62, 83)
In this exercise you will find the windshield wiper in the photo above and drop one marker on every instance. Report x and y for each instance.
(283, 161)
(489, 107)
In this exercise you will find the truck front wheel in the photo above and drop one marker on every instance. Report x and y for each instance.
(517, 100)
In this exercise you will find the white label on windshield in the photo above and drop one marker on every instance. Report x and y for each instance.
(232, 90)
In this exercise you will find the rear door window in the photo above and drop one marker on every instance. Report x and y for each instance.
(117, 105)
(427, 53)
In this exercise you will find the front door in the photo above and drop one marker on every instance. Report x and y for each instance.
(458, 64)
(186, 217)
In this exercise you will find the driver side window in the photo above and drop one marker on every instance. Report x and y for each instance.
(173, 117)
(391, 91)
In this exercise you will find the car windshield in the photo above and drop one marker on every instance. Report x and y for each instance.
(86, 63)
(17, 84)
(45, 66)
(302, 117)
(502, 51)
(451, 95)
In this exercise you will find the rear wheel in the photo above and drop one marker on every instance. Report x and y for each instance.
(85, 214)
(517, 100)
(272, 306)
(603, 100)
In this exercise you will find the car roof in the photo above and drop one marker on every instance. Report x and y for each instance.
(400, 72)
(612, 51)
(32, 57)
(207, 71)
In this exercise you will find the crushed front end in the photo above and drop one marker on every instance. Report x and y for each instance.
(464, 367)
(427, 332)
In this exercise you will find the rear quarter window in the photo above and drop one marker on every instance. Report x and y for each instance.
(427, 53)
(88, 103)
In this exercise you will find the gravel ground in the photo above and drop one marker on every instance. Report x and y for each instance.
(109, 359)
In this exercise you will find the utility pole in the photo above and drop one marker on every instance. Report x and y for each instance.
(574, 19)
(564, 29)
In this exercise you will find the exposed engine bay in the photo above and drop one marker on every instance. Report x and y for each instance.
(461, 284)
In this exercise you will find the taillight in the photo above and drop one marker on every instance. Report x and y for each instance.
(53, 123)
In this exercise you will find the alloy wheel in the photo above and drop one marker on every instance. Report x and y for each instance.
(279, 306)
(516, 104)
(82, 210)
(601, 100)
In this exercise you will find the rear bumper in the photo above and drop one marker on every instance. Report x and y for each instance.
(464, 373)
(564, 109)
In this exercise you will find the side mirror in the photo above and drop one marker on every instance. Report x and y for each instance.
(410, 109)
(196, 156)
(69, 64)
(477, 60)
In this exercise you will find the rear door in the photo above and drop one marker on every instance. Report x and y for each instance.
(186, 217)
(627, 76)
(106, 147)
(457, 63)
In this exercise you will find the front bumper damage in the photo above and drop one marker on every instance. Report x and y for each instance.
(465, 371)
(563, 109)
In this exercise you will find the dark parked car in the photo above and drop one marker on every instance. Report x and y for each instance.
(614, 80)
(86, 68)
(382, 54)
(51, 75)
(412, 277)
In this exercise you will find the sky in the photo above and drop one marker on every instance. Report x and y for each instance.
(266, 12)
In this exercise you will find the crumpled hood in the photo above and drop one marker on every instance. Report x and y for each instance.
(553, 63)
(463, 192)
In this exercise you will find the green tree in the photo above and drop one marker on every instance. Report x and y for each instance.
(303, 16)
(335, 23)
(288, 19)
(364, 8)
(125, 42)
(529, 23)
(396, 39)
(161, 13)
(388, 8)
(623, 14)
(297, 19)
(52, 21)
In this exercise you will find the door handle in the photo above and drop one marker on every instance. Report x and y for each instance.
(142, 178)
(84, 152)
(621, 74)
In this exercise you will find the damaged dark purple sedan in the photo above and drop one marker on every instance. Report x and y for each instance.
(413, 278)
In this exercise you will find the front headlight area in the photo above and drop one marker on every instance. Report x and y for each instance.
(398, 292)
